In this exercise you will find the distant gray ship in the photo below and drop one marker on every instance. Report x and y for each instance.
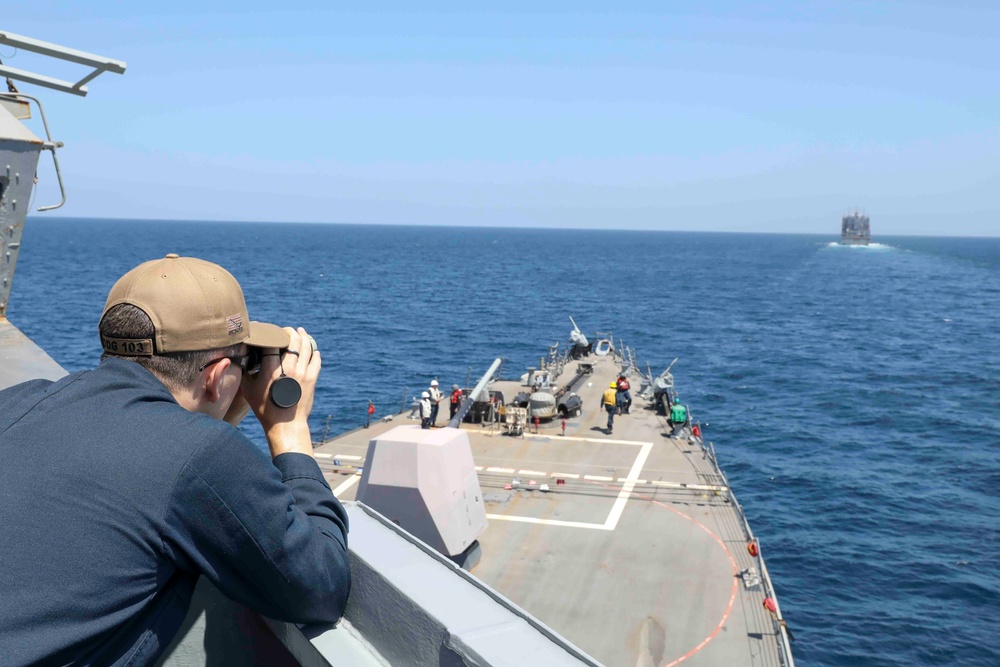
(855, 230)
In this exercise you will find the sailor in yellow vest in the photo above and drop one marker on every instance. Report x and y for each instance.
(608, 401)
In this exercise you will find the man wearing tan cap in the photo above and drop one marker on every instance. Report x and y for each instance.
(121, 485)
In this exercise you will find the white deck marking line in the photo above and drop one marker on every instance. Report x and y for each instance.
(321, 455)
(534, 473)
(479, 468)
(547, 522)
(614, 442)
(556, 438)
(636, 481)
(348, 483)
(348, 457)
(567, 475)
(599, 478)
(503, 470)
(623, 495)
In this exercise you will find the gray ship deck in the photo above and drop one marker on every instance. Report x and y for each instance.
(635, 558)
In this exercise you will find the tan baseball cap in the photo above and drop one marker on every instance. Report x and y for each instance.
(194, 305)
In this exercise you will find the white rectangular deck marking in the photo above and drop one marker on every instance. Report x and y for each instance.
(616, 510)
(536, 473)
(547, 522)
(348, 483)
(321, 455)
(479, 468)
(633, 475)
(348, 457)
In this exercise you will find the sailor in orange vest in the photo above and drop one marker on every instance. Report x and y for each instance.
(456, 400)
(624, 398)
(608, 401)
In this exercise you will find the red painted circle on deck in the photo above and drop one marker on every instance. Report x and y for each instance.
(732, 596)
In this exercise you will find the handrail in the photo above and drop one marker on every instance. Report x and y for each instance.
(48, 145)
(776, 620)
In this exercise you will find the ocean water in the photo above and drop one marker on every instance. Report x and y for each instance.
(853, 394)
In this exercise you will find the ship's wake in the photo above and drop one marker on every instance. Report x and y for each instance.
(870, 247)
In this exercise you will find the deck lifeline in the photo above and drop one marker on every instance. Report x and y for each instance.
(635, 557)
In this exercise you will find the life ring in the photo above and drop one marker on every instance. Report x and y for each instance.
(603, 347)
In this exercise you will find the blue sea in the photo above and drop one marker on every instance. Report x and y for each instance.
(853, 394)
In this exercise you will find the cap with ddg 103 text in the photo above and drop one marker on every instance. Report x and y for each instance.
(194, 305)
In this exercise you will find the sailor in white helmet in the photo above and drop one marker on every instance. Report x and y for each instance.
(425, 409)
(436, 397)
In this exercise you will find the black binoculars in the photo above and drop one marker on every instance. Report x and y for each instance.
(285, 391)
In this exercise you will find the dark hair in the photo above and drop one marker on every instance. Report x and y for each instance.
(174, 369)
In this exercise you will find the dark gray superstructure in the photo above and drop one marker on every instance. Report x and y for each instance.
(855, 229)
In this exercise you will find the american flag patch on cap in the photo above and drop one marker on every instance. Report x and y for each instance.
(234, 324)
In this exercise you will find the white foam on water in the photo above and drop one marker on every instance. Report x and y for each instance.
(870, 247)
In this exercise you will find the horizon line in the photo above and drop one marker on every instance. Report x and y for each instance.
(515, 226)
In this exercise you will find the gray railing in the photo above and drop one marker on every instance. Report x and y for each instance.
(778, 622)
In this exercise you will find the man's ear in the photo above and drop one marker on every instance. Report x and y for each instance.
(216, 374)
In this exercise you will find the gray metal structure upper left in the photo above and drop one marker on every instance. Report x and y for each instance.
(20, 359)
(20, 148)
(19, 151)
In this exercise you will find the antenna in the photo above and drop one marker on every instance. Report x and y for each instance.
(100, 64)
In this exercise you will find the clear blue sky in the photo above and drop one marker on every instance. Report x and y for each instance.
(773, 116)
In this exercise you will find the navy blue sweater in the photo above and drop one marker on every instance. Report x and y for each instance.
(113, 499)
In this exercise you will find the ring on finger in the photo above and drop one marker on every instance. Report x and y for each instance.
(292, 352)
